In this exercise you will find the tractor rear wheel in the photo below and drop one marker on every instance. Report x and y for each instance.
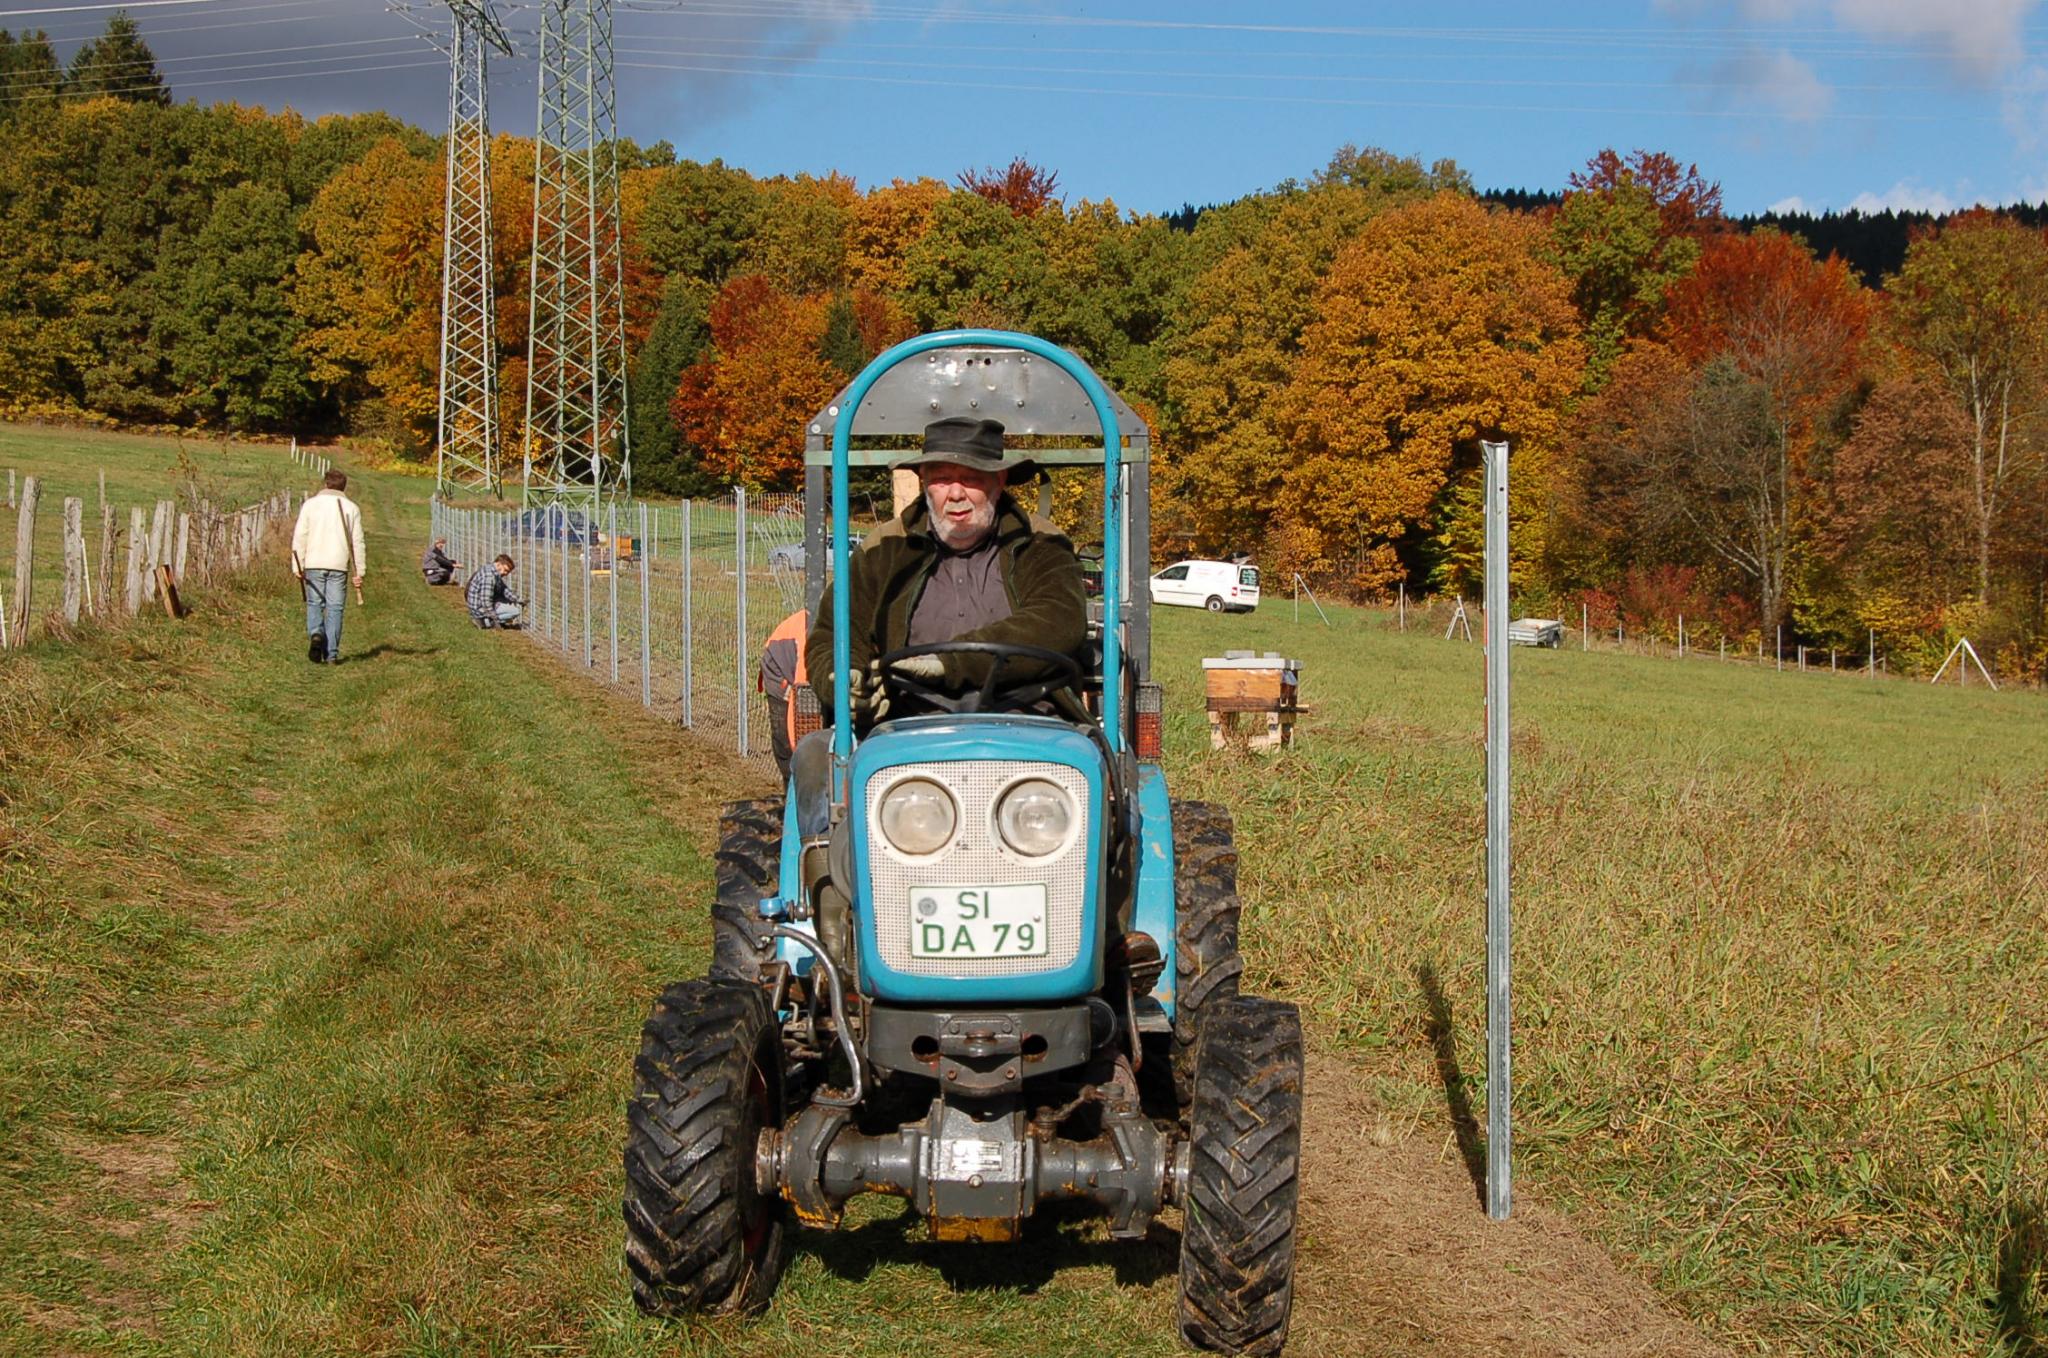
(709, 1078)
(1206, 962)
(1237, 1231)
(749, 845)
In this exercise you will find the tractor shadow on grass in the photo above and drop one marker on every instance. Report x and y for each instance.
(1443, 1042)
(1057, 1237)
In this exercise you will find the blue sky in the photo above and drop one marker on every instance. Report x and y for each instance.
(1814, 103)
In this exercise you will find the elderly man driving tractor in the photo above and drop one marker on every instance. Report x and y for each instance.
(974, 956)
(963, 563)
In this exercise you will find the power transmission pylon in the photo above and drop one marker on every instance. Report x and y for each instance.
(466, 429)
(575, 431)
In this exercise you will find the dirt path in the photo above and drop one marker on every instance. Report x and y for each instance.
(1399, 1258)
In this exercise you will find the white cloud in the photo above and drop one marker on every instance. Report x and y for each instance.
(1980, 38)
(1904, 196)
(1773, 84)
(2024, 103)
(1793, 204)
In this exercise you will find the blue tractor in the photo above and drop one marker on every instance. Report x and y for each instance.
(978, 958)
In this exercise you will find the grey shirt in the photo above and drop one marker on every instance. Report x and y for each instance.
(965, 592)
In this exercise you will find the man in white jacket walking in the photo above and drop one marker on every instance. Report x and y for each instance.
(327, 548)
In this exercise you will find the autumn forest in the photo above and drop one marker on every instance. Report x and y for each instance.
(1709, 417)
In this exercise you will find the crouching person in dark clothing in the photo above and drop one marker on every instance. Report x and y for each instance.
(436, 565)
(491, 602)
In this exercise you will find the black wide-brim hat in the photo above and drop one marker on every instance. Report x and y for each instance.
(966, 442)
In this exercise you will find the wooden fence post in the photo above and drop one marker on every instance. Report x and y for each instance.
(137, 534)
(159, 545)
(184, 542)
(24, 555)
(103, 601)
(74, 558)
(205, 563)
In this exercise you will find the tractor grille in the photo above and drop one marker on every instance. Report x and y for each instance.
(978, 859)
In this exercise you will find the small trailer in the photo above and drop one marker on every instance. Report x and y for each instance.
(1536, 632)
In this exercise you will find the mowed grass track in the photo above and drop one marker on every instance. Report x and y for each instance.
(319, 991)
(1781, 957)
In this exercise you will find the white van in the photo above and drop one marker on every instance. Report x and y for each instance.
(1219, 586)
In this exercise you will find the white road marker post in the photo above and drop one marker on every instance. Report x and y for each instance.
(1499, 1083)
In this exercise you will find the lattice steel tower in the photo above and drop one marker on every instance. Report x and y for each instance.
(466, 431)
(575, 432)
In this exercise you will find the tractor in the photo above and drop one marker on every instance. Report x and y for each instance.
(977, 957)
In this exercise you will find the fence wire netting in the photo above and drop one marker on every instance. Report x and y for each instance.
(672, 602)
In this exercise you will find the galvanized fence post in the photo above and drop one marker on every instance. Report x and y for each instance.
(646, 613)
(739, 645)
(589, 527)
(611, 519)
(689, 638)
(1499, 1084)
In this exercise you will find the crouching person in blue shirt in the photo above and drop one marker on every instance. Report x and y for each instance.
(491, 602)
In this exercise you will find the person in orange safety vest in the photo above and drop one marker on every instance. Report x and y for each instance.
(782, 669)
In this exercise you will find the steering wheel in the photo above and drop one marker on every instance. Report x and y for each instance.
(992, 696)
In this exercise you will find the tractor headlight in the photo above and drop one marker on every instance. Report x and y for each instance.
(1034, 817)
(918, 817)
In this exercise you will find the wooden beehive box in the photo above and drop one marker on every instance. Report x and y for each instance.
(1240, 682)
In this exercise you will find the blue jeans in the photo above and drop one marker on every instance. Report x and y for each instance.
(326, 593)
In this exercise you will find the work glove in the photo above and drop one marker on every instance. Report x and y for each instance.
(866, 695)
(927, 668)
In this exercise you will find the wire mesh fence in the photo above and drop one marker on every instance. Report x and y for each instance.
(671, 602)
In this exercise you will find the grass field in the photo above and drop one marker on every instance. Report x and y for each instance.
(318, 988)
(1781, 972)
(140, 470)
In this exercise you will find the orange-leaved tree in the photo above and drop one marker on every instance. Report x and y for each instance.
(744, 405)
(1236, 330)
(1777, 337)
(1440, 326)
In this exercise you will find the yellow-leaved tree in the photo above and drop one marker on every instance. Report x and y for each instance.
(1439, 325)
(368, 291)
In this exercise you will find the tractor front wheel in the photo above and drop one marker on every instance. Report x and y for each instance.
(710, 1077)
(749, 843)
(1237, 1232)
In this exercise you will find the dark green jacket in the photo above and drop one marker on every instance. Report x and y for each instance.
(1048, 602)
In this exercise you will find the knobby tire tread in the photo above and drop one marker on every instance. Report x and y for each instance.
(1206, 908)
(690, 1153)
(1237, 1234)
(749, 848)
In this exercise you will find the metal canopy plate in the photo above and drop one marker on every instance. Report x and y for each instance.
(1027, 395)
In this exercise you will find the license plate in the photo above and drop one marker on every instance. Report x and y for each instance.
(978, 921)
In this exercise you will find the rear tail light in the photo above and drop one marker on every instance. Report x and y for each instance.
(1146, 741)
(808, 716)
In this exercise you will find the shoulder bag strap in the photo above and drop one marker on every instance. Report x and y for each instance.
(347, 541)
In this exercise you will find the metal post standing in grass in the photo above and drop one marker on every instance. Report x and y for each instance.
(1499, 1161)
(646, 659)
(589, 526)
(611, 520)
(739, 646)
(562, 575)
(689, 711)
